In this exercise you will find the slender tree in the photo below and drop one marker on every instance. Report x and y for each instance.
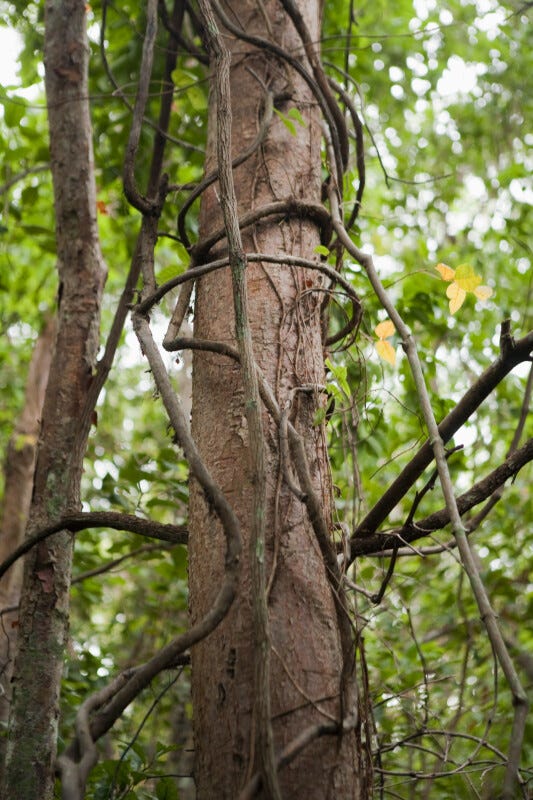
(44, 607)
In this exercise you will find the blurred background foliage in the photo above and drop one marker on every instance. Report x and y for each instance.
(445, 92)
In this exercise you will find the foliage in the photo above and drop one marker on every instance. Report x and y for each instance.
(444, 97)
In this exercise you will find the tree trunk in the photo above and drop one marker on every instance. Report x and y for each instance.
(284, 313)
(44, 602)
(19, 468)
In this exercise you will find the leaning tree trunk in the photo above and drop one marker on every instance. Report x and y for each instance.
(306, 658)
(18, 470)
(31, 749)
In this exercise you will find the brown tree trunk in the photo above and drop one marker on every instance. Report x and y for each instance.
(19, 467)
(284, 312)
(66, 421)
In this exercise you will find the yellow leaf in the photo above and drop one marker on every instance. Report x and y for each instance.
(386, 351)
(384, 329)
(446, 272)
(483, 292)
(466, 278)
(456, 296)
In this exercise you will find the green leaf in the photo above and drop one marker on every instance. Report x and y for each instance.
(166, 789)
(339, 372)
(14, 110)
(291, 127)
(294, 113)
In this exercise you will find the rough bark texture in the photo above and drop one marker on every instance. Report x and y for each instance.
(19, 467)
(306, 660)
(44, 601)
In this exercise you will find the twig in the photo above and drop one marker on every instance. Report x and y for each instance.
(5, 187)
(115, 562)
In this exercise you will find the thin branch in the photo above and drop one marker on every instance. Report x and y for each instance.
(156, 186)
(411, 531)
(131, 191)
(290, 261)
(119, 93)
(167, 94)
(5, 187)
(175, 30)
(524, 413)
(378, 597)
(314, 509)
(509, 357)
(280, 53)
(342, 154)
(359, 151)
(293, 749)
(264, 125)
(99, 519)
(112, 700)
(290, 207)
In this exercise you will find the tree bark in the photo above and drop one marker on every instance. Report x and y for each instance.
(66, 422)
(284, 313)
(18, 470)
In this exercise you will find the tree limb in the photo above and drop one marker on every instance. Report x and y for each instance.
(518, 352)
(175, 534)
(410, 532)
